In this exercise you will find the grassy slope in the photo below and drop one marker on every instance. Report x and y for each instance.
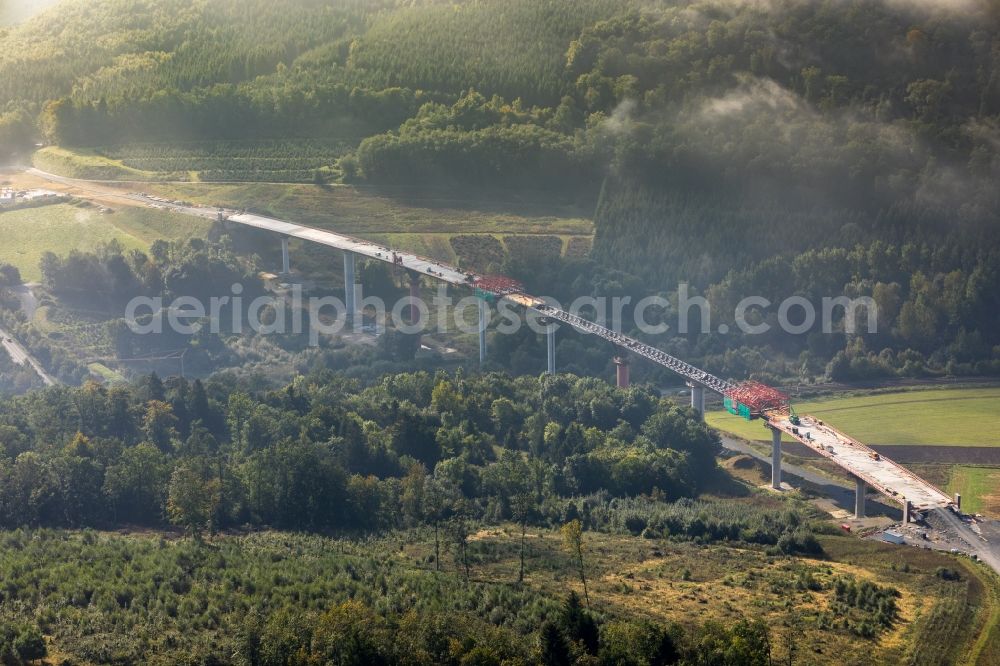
(80, 163)
(953, 417)
(418, 222)
(30, 232)
(365, 210)
(954, 622)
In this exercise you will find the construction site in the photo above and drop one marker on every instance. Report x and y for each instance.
(920, 501)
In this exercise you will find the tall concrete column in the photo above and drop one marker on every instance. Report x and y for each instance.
(906, 511)
(349, 288)
(859, 497)
(483, 321)
(286, 262)
(776, 459)
(414, 312)
(550, 335)
(958, 502)
(698, 399)
(622, 374)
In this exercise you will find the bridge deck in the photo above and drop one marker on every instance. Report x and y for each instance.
(686, 370)
(884, 475)
(365, 248)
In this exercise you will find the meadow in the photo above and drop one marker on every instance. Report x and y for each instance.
(28, 233)
(943, 417)
(979, 485)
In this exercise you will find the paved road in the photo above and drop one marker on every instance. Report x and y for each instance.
(21, 355)
(988, 552)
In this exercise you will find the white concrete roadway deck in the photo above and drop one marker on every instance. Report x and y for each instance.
(411, 261)
(884, 475)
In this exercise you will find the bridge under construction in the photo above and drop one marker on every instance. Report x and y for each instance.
(749, 400)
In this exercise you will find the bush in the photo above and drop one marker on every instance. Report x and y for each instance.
(20, 643)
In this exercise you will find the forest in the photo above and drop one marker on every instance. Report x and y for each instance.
(324, 453)
(385, 507)
(424, 458)
(849, 148)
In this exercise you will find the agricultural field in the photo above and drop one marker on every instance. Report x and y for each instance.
(957, 417)
(290, 160)
(284, 161)
(91, 609)
(30, 232)
(979, 485)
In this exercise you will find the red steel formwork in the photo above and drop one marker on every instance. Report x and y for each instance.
(757, 397)
(498, 285)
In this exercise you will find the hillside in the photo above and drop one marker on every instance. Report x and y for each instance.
(781, 148)
(855, 108)
(435, 519)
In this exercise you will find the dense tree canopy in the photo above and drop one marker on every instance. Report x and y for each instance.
(320, 453)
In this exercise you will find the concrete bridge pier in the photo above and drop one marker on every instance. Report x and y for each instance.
(697, 399)
(775, 458)
(907, 510)
(286, 262)
(483, 322)
(859, 497)
(550, 336)
(413, 315)
(349, 289)
(622, 375)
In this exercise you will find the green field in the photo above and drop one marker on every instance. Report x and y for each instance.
(943, 417)
(979, 486)
(30, 232)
